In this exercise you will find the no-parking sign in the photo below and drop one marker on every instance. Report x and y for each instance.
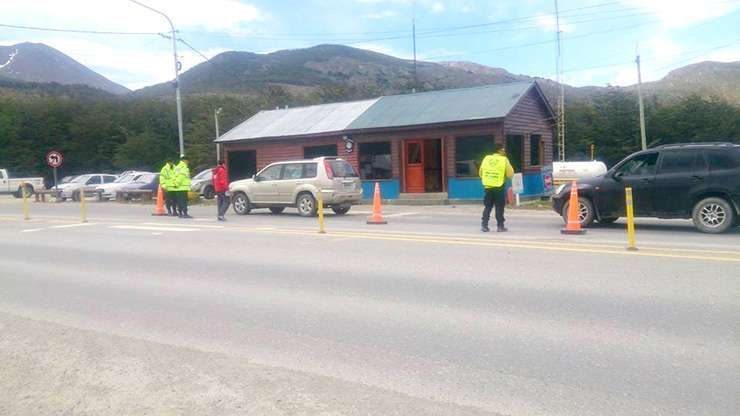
(54, 159)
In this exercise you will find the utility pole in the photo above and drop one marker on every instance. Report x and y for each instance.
(643, 139)
(178, 100)
(218, 145)
(560, 122)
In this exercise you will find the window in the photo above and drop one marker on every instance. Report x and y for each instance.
(643, 165)
(293, 171)
(469, 153)
(94, 180)
(515, 151)
(375, 160)
(721, 160)
(109, 179)
(677, 162)
(310, 152)
(271, 173)
(309, 171)
(205, 175)
(414, 153)
(341, 168)
(535, 150)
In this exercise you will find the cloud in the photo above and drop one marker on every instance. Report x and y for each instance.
(438, 7)
(121, 15)
(549, 24)
(683, 13)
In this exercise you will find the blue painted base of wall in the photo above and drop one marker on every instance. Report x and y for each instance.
(389, 189)
(471, 188)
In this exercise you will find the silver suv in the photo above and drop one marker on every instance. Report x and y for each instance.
(296, 184)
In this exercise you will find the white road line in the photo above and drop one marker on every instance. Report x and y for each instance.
(82, 224)
(144, 228)
(32, 230)
(401, 214)
(159, 224)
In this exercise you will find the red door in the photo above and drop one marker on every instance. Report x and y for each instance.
(414, 166)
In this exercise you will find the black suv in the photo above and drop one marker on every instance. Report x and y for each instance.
(699, 181)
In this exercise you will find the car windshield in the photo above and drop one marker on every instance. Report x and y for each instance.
(80, 179)
(125, 179)
(342, 168)
(206, 174)
(144, 178)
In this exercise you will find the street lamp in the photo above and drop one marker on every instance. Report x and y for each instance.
(177, 75)
(218, 145)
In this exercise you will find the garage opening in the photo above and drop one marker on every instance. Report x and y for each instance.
(241, 164)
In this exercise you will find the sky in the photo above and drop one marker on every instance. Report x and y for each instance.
(600, 38)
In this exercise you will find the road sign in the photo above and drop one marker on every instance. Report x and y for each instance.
(54, 159)
(517, 183)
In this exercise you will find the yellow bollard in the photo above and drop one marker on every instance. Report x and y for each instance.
(25, 201)
(83, 208)
(630, 220)
(321, 213)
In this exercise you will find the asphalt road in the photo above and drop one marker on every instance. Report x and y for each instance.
(133, 314)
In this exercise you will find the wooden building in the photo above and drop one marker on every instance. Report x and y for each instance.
(426, 143)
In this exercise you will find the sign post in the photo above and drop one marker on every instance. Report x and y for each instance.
(517, 186)
(54, 159)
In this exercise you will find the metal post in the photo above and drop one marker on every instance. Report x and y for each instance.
(643, 139)
(56, 188)
(218, 145)
(25, 201)
(413, 35)
(178, 100)
(630, 220)
(321, 212)
(593, 151)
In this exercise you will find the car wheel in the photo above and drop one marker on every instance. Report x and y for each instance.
(208, 192)
(713, 215)
(585, 212)
(76, 196)
(609, 220)
(277, 210)
(306, 204)
(341, 210)
(241, 204)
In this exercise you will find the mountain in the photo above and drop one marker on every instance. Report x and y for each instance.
(303, 70)
(721, 79)
(39, 63)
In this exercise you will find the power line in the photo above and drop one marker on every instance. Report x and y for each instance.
(87, 32)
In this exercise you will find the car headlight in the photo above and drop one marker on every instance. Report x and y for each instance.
(560, 189)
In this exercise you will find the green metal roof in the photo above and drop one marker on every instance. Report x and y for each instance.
(465, 104)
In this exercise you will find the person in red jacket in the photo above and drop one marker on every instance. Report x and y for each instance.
(221, 186)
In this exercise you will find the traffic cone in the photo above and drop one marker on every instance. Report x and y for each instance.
(159, 209)
(510, 196)
(574, 225)
(377, 217)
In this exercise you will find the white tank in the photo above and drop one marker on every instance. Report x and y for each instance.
(569, 171)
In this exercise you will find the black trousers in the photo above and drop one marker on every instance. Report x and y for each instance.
(223, 203)
(169, 201)
(182, 202)
(494, 197)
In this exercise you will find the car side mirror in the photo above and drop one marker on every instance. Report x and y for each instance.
(618, 176)
(256, 178)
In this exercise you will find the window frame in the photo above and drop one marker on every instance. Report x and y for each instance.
(540, 150)
(372, 155)
(275, 165)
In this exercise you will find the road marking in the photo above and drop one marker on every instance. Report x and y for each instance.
(159, 224)
(585, 248)
(32, 230)
(400, 214)
(144, 228)
(83, 224)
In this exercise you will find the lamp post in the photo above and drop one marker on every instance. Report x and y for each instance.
(177, 74)
(218, 145)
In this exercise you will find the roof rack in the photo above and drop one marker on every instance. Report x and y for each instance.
(665, 146)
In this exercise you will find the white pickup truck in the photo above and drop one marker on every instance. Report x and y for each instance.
(13, 186)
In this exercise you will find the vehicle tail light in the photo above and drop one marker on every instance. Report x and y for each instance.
(329, 171)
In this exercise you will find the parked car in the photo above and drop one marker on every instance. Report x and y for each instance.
(89, 182)
(202, 184)
(108, 190)
(698, 181)
(67, 179)
(10, 185)
(296, 184)
(144, 182)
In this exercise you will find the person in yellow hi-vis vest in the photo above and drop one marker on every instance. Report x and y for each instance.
(493, 172)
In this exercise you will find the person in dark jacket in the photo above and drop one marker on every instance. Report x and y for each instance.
(221, 186)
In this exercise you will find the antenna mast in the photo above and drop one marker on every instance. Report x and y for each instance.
(560, 122)
(413, 36)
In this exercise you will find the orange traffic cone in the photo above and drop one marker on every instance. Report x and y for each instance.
(510, 196)
(377, 217)
(574, 224)
(159, 209)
